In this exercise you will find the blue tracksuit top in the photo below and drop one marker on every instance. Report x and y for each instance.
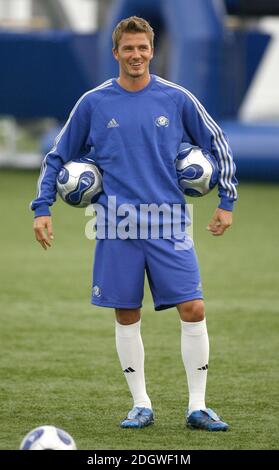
(136, 137)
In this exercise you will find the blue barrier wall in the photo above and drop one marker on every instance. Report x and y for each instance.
(256, 150)
(44, 73)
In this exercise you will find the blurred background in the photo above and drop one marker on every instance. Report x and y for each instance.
(226, 52)
(58, 361)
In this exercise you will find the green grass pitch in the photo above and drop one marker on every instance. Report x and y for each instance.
(58, 359)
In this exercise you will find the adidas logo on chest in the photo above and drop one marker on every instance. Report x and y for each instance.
(112, 123)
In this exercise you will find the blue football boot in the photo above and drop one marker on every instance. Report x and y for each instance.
(138, 418)
(206, 419)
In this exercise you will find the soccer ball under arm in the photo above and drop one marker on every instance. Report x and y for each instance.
(197, 170)
(79, 183)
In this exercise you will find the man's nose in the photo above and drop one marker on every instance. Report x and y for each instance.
(136, 53)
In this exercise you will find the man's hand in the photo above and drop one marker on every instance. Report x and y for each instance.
(220, 221)
(43, 231)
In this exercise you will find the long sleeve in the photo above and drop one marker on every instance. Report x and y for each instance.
(208, 135)
(71, 143)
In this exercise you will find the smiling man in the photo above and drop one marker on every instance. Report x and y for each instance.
(136, 123)
(134, 52)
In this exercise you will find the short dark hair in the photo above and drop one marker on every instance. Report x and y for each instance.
(133, 24)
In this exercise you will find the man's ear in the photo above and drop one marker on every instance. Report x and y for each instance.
(115, 53)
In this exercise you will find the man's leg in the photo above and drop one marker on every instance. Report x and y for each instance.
(195, 355)
(194, 350)
(131, 355)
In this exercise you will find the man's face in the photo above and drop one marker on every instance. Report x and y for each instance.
(134, 54)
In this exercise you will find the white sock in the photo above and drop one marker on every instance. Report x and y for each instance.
(130, 351)
(195, 354)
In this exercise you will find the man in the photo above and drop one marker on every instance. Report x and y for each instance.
(136, 124)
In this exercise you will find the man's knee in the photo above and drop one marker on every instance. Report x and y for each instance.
(126, 316)
(191, 311)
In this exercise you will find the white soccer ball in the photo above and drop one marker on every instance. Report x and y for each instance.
(48, 438)
(197, 170)
(79, 183)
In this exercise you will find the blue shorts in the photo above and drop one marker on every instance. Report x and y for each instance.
(120, 266)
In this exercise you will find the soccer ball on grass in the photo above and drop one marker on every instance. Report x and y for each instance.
(197, 170)
(48, 438)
